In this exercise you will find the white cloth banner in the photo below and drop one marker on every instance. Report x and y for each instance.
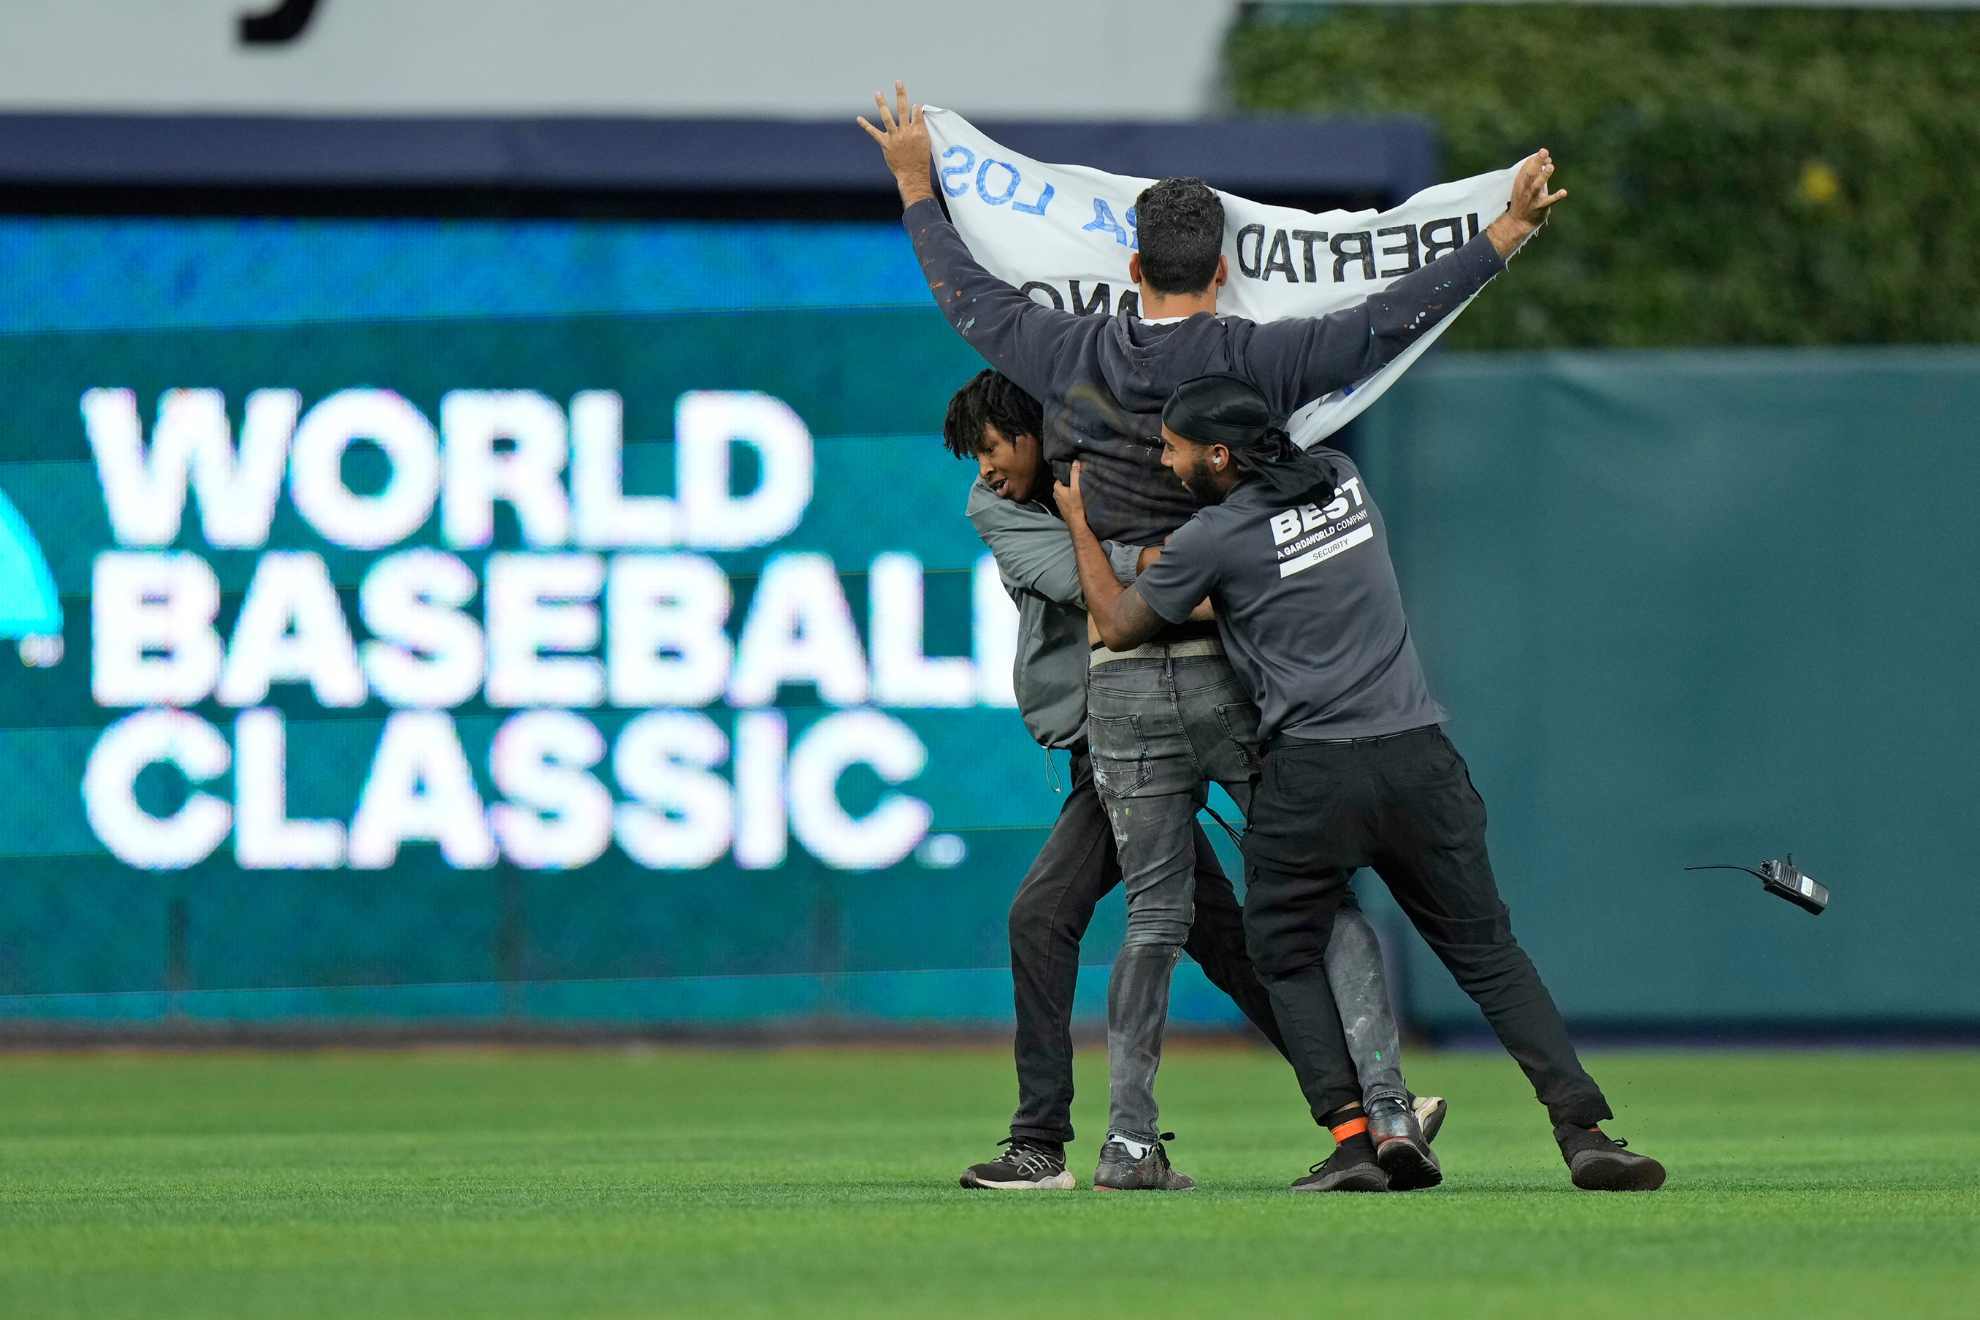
(1063, 233)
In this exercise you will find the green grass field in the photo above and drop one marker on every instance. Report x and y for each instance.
(822, 1182)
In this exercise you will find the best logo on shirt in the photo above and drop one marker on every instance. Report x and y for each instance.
(1312, 534)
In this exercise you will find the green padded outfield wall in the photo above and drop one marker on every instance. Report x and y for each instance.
(768, 726)
(1706, 607)
(573, 624)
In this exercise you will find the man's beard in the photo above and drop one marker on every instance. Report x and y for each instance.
(1200, 487)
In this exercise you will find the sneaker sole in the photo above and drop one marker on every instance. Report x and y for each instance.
(1188, 1184)
(1062, 1181)
(1367, 1178)
(1606, 1173)
(1410, 1167)
(1430, 1112)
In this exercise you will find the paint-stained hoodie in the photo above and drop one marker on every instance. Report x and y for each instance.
(1104, 379)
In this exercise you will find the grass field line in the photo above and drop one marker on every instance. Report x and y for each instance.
(821, 1181)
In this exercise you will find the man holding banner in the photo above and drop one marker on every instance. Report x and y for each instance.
(1169, 713)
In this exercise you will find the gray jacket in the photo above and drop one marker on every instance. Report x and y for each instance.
(1035, 560)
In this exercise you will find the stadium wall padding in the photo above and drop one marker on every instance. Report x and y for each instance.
(1683, 607)
(1705, 607)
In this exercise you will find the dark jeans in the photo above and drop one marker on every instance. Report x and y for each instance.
(1077, 867)
(1405, 806)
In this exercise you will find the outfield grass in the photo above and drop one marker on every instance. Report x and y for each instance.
(822, 1182)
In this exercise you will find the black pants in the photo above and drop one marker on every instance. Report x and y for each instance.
(1403, 805)
(1075, 869)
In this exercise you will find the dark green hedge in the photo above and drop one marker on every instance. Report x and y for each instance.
(1735, 176)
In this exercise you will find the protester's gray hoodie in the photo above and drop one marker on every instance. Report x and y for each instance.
(1103, 380)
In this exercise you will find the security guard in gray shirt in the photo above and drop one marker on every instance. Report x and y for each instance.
(1291, 551)
(995, 424)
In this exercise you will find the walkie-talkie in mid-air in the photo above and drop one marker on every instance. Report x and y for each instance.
(1779, 877)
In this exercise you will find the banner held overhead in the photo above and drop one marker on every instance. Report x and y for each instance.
(1063, 233)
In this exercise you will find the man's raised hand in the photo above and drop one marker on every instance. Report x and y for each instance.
(1530, 198)
(903, 139)
(1527, 209)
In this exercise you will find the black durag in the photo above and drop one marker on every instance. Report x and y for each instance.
(1229, 411)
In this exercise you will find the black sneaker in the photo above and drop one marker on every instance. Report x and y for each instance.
(1120, 1171)
(1351, 1168)
(1430, 1111)
(1027, 1165)
(1597, 1164)
(1400, 1147)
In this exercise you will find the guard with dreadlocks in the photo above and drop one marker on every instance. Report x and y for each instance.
(1290, 550)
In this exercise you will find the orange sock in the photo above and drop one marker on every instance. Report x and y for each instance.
(1354, 1127)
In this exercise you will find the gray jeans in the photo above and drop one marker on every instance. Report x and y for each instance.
(1161, 730)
